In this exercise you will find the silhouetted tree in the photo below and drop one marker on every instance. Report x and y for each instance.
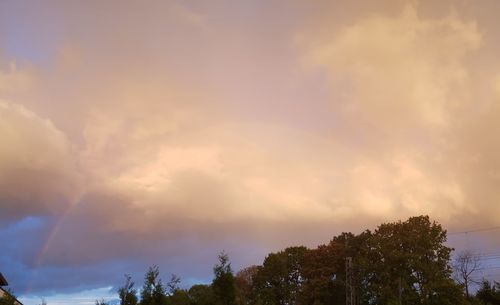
(489, 293)
(201, 295)
(405, 262)
(127, 293)
(279, 280)
(223, 284)
(153, 292)
(178, 297)
(408, 262)
(323, 269)
(465, 264)
(101, 302)
(173, 284)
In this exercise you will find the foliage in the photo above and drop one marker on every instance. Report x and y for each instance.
(489, 293)
(324, 268)
(127, 293)
(244, 285)
(201, 295)
(173, 284)
(279, 280)
(398, 263)
(153, 292)
(223, 284)
(408, 260)
(178, 297)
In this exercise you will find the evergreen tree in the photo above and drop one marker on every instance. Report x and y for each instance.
(223, 284)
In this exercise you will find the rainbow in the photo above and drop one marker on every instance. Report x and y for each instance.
(44, 248)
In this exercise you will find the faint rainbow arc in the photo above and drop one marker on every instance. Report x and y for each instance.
(42, 252)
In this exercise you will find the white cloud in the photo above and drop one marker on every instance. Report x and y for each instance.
(399, 72)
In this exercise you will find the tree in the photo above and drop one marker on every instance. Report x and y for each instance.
(244, 284)
(178, 297)
(201, 295)
(279, 280)
(127, 293)
(175, 295)
(465, 265)
(173, 284)
(489, 294)
(407, 262)
(324, 269)
(101, 302)
(153, 292)
(223, 284)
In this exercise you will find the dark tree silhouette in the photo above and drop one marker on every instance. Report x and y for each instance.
(127, 293)
(153, 292)
(466, 263)
(223, 284)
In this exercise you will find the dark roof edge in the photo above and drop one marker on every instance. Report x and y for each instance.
(3, 281)
(5, 291)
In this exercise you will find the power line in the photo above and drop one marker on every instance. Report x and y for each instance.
(484, 255)
(488, 268)
(475, 230)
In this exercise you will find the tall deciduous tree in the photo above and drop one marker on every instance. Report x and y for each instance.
(465, 264)
(280, 279)
(244, 285)
(408, 263)
(201, 295)
(324, 269)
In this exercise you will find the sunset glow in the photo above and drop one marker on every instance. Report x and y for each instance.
(162, 132)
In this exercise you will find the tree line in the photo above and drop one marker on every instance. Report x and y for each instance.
(404, 262)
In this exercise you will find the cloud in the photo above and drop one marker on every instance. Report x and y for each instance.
(37, 169)
(145, 139)
(14, 79)
(399, 72)
(404, 80)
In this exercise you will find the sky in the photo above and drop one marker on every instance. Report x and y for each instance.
(163, 132)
